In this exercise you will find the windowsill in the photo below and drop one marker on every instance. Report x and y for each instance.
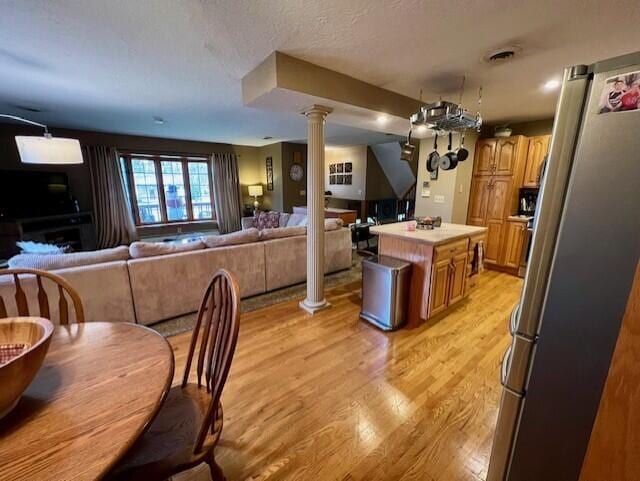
(192, 223)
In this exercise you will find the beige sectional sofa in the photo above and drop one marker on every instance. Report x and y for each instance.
(151, 289)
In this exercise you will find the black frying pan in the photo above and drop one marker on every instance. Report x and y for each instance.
(434, 157)
(449, 161)
(462, 153)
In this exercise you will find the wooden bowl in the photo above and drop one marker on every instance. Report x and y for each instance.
(16, 374)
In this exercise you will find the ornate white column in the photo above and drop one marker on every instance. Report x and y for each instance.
(315, 209)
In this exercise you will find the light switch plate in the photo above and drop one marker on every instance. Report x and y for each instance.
(438, 199)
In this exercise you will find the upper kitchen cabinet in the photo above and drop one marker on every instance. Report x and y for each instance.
(499, 156)
(538, 150)
(509, 151)
(484, 157)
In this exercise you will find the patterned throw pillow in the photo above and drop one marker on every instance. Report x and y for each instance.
(268, 220)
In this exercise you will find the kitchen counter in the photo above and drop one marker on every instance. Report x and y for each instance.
(439, 235)
(348, 216)
(444, 264)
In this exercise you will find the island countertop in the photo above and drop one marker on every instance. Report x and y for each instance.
(439, 235)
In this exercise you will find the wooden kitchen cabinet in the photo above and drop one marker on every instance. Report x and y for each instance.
(448, 275)
(440, 277)
(498, 174)
(484, 156)
(458, 277)
(514, 243)
(478, 200)
(537, 152)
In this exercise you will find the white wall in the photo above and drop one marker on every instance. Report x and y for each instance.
(397, 171)
(452, 185)
(357, 155)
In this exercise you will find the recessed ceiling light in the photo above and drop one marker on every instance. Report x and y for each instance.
(159, 121)
(382, 119)
(551, 85)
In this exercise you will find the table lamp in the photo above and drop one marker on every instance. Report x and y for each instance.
(255, 191)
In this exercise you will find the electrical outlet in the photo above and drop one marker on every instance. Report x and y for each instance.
(438, 199)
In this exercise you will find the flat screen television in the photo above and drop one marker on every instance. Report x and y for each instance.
(25, 194)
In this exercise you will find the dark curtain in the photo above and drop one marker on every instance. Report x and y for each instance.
(112, 212)
(226, 191)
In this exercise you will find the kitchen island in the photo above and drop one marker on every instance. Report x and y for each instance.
(444, 262)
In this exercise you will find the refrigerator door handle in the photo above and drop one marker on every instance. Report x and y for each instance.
(504, 366)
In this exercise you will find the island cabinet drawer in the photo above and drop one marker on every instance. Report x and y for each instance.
(446, 251)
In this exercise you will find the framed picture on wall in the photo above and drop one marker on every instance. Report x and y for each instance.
(332, 168)
(269, 163)
(347, 179)
(340, 168)
(348, 167)
(339, 179)
(332, 179)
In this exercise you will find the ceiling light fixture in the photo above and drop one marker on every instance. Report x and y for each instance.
(46, 149)
(551, 85)
(382, 119)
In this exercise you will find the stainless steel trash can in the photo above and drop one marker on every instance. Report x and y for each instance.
(385, 291)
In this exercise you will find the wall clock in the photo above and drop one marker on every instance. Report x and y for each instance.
(296, 172)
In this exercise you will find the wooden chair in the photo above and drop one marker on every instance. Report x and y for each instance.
(22, 304)
(188, 426)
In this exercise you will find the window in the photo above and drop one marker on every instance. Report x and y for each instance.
(168, 188)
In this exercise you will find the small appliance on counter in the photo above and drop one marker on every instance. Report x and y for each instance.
(428, 223)
(527, 200)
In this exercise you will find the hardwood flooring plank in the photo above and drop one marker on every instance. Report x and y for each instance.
(329, 397)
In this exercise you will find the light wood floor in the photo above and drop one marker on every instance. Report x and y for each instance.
(328, 397)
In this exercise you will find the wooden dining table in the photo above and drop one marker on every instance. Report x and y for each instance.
(100, 386)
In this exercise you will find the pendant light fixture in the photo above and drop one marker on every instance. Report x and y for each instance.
(46, 149)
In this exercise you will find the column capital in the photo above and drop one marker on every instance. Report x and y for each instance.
(316, 110)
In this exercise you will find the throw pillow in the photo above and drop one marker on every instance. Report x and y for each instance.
(240, 237)
(278, 233)
(283, 219)
(60, 261)
(297, 219)
(268, 220)
(150, 249)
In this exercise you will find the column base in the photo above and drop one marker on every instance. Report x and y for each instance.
(313, 306)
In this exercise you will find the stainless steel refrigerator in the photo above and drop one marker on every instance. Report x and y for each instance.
(585, 247)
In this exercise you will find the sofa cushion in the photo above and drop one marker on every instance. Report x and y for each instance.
(149, 249)
(173, 285)
(233, 238)
(286, 259)
(297, 219)
(104, 290)
(268, 220)
(279, 232)
(50, 262)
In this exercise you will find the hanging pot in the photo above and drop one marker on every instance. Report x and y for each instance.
(462, 154)
(433, 159)
(449, 161)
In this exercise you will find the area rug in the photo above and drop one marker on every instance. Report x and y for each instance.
(185, 323)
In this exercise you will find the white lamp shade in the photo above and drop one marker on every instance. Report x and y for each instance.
(255, 190)
(48, 150)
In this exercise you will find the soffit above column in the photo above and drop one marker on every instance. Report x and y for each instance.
(287, 84)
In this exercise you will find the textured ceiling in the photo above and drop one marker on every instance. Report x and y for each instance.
(113, 65)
